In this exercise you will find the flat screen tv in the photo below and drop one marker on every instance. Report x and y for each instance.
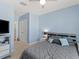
(4, 26)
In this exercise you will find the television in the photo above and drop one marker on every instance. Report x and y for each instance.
(4, 26)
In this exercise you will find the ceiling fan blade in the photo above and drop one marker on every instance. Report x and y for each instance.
(22, 3)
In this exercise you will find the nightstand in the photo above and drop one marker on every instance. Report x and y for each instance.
(44, 37)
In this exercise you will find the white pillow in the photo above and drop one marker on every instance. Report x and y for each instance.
(50, 40)
(64, 42)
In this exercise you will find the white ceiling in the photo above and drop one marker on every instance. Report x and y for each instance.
(35, 6)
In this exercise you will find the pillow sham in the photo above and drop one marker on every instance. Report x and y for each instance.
(64, 41)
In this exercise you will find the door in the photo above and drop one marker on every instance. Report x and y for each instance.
(23, 30)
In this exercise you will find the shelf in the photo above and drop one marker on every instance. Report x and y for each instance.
(4, 45)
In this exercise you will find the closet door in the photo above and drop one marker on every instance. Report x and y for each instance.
(23, 30)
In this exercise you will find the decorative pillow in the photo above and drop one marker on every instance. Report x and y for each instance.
(56, 41)
(50, 40)
(64, 41)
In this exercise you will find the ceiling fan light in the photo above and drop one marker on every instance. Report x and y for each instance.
(42, 2)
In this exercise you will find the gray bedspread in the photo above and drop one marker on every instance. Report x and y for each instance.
(45, 50)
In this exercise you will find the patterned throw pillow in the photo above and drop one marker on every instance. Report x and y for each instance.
(50, 40)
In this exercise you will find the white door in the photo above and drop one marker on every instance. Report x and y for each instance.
(23, 30)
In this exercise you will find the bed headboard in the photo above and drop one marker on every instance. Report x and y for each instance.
(68, 35)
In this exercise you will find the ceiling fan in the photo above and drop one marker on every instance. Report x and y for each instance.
(42, 2)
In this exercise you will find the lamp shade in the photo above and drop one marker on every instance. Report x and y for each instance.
(46, 30)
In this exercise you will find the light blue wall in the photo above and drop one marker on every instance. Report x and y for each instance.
(62, 21)
(33, 28)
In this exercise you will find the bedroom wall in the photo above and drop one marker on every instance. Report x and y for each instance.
(33, 28)
(62, 21)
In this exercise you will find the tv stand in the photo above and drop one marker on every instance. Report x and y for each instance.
(4, 45)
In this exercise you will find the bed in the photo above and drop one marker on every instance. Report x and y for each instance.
(46, 50)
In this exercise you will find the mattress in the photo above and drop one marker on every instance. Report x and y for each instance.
(45, 50)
